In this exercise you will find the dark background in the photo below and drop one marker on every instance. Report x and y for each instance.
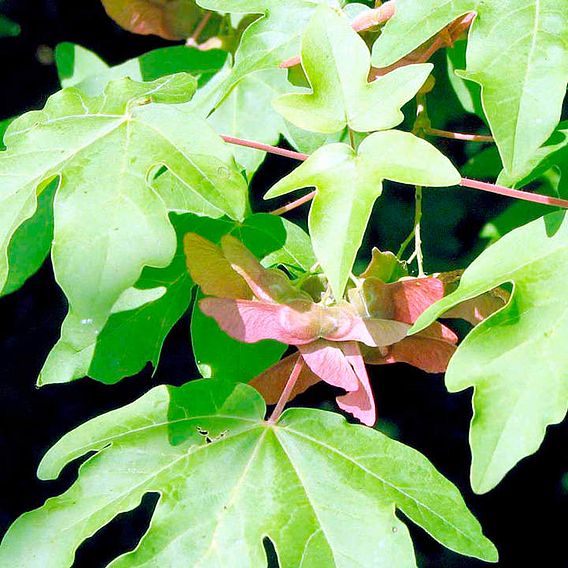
(525, 516)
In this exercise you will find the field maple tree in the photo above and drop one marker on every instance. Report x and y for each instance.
(135, 180)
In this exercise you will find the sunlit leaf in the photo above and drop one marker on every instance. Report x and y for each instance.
(517, 52)
(348, 184)
(516, 359)
(109, 223)
(227, 479)
(337, 63)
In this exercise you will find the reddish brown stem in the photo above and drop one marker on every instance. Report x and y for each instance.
(368, 19)
(294, 204)
(514, 193)
(445, 38)
(193, 40)
(278, 409)
(465, 182)
(265, 148)
(459, 135)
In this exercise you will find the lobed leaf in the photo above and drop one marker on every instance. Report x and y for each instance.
(517, 52)
(108, 221)
(227, 479)
(337, 64)
(349, 182)
(517, 394)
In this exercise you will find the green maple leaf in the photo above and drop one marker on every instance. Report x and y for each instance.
(349, 182)
(554, 154)
(272, 38)
(247, 113)
(81, 68)
(227, 479)
(109, 222)
(517, 358)
(337, 63)
(517, 52)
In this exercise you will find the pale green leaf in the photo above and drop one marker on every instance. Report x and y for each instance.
(517, 52)
(109, 223)
(141, 318)
(349, 182)
(337, 63)
(247, 113)
(81, 68)
(516, 359)
(322, 490)
(272, 38)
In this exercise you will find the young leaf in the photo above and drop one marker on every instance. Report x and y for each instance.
(517, 52)
(247, 113)
(227, 479)
(348, 183)
(275, 241)
(219, 355)
(337, 63)
(109, 223)
(170, 19)
(517, 394)
(138, 325)
(273, 37)
(81, 68)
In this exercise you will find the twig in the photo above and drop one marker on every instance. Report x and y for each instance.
(514, 193)
(294, 204)
(368, 19)
(465, 182)
(265, 148)
(192, 41)
(287, 391)
(458, 135)
(418, 231)
(405, 244)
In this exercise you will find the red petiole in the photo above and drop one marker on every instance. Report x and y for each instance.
(465, 182)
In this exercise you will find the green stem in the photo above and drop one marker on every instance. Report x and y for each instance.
(418, 232)
(405, 244)
(351, 138)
